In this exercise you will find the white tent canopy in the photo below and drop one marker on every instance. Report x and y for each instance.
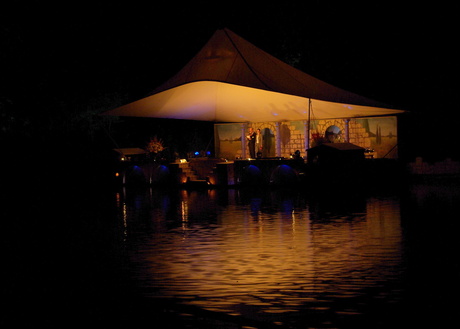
(231, 80)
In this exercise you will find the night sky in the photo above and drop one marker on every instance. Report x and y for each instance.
(62, 63)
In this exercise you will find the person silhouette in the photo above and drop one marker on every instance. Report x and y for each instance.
(251, 137)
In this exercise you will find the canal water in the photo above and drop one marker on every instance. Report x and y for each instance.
(239, 258)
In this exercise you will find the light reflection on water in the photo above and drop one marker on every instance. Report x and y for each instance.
(292, 259)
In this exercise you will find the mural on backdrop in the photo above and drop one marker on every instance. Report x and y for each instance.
(378, 134)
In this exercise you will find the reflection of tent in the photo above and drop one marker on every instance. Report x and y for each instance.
(231, 80)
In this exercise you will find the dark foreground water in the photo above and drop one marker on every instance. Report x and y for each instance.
(234, 258)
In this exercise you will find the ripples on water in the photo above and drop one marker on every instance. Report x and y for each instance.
(233, 259)
(276, 257)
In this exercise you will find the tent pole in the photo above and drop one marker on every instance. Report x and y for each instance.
(307, 129)
(306, 133)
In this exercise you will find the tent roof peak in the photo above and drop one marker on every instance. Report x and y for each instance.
(231, 80)
(227, 57)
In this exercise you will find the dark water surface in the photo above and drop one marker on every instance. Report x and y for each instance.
(235, 258)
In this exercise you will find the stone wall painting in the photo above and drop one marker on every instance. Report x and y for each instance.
(378, 135)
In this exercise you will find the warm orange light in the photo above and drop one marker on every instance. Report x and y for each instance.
(117, 174)
(211, 180)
